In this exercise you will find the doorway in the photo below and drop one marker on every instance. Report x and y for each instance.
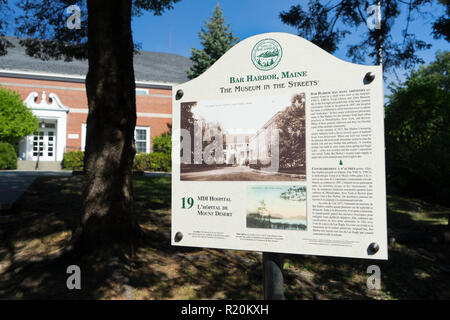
(44, 143)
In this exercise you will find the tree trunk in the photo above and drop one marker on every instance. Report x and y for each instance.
(108, 218)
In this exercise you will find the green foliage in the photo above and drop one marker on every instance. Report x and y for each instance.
(73, 160)
(141, 162)
(154, 161)
(441, 27)
(158, 160)
(5, 11)
(187, 123)
(418, 132)
(163, 143)
(291, 125)
(328, 23)
(296, 193)
(8, 156)
(42, 24)
(16, 120)
(215, 40)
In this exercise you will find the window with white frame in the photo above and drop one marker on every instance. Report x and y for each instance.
(141, 92)
(83, 136)
(142, 139)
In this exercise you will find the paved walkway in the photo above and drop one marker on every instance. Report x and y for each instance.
(157, 174)
(14, 183)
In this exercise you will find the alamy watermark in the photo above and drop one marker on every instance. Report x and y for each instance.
(374, 19)
(374, 281)
(372, 22)
(74, 280)
(74, 20)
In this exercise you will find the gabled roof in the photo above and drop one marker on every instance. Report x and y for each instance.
(156, 67)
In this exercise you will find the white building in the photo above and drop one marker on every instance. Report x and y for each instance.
(45, 144)
(237, 146)
(260, 144)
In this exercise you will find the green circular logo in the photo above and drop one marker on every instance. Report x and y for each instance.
(266, 54)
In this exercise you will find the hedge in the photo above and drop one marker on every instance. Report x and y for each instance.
(73, 160)
(163, 143)
(155, 161)
(8, 156)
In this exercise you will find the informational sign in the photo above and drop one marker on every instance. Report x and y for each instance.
(279, 147)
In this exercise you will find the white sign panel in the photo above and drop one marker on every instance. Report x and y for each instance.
(279, 147)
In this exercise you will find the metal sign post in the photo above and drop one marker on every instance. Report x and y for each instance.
(273, 276)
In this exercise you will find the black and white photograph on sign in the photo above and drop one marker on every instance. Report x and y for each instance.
(254, 139)
(276, 207)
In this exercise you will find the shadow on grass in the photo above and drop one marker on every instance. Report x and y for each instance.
(418, 265)
(40, 226)
(42, 221)
(163, 271)
(31, 266)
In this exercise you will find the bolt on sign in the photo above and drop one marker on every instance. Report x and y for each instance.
(279, 147)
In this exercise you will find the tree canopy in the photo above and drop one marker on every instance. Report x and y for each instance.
(441, 27)
(4, 12)
(16, 120)
(417, 125)
(328, 23)
(216, 39)
(291, 125)
(296, 193)
(43, 26)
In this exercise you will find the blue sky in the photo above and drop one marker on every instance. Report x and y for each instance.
(176, 31)
(246, 18)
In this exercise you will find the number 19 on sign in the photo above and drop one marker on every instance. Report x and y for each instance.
(187, 203)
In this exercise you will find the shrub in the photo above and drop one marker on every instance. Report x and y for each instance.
(16, 120)
(163, 143)
(141, 162)
(417, 133)
(8, 156)
(160, 161)
(73, 160)
(155, 161)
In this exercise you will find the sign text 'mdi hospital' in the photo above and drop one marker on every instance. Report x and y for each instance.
(252, 78)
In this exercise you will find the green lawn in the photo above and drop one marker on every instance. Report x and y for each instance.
(43, 219)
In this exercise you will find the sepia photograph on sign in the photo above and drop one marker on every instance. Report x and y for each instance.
(254, 139)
